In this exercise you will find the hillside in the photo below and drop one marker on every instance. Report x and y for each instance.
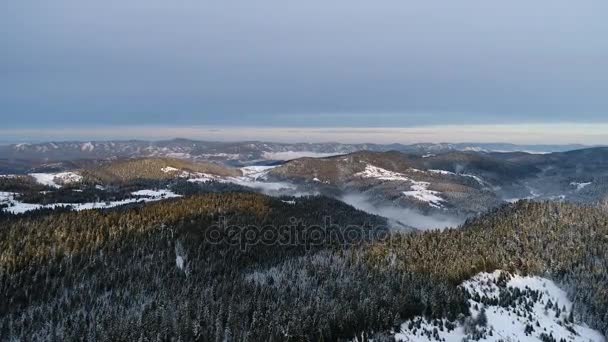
(155, 169)
(403, 180)
(134, 272)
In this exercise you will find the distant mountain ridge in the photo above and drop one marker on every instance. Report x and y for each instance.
(438, 184)
(238, 152)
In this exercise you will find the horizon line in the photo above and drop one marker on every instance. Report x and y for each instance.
(527, 134)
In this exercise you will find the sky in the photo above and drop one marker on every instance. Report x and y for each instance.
(286, 64)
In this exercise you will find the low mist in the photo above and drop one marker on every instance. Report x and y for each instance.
(410, 217)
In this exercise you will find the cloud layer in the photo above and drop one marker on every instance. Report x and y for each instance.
(307, 63)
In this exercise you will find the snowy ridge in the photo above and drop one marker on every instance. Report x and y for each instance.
(56, 179)
(192, 176)
(17, 207)
(256, 172)
(200, 177)
(506, 307)
(418, 190)
(381, 174)
(168, 169)
(421, 192)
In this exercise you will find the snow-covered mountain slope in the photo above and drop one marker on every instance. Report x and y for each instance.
(394, 179)
(256, 177)
(419, 190)
(161, 170)
(56, 180)
(506, 307)
(13, 205)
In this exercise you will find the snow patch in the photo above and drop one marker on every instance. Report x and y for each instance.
(256, 172)
(382, 174)
(418, 190)
(18, 207)
(168, 169)
(179, 262)
(56, 179)
(442, 172)
(580, 186)
(537, 307)
(163, 193)
(202, 178)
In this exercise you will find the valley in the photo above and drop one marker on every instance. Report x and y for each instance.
(414, 190)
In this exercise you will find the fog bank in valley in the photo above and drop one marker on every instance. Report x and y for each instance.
(410, 217)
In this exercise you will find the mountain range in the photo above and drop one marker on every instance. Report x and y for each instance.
(233, 153)
(431, 186)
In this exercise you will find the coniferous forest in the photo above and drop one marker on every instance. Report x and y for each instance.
(187, 270)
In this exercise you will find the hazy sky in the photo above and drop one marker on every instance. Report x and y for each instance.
(314, 63)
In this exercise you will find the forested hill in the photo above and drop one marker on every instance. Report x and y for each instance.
(152, 272)
(152, 169)
(564, 242)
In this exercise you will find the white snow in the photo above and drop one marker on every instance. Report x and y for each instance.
(442, 172)
(257, 172)
(382, 174)
(474, 149)
(87, 147)
(580, 186)
(45, 179)
(179, 262)
(155, 193)
(508, 323)
(5, 197)
(191, 176)
(418, 190)
(200, 177)
(168, 169)
(18, 207)
(56, 179)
